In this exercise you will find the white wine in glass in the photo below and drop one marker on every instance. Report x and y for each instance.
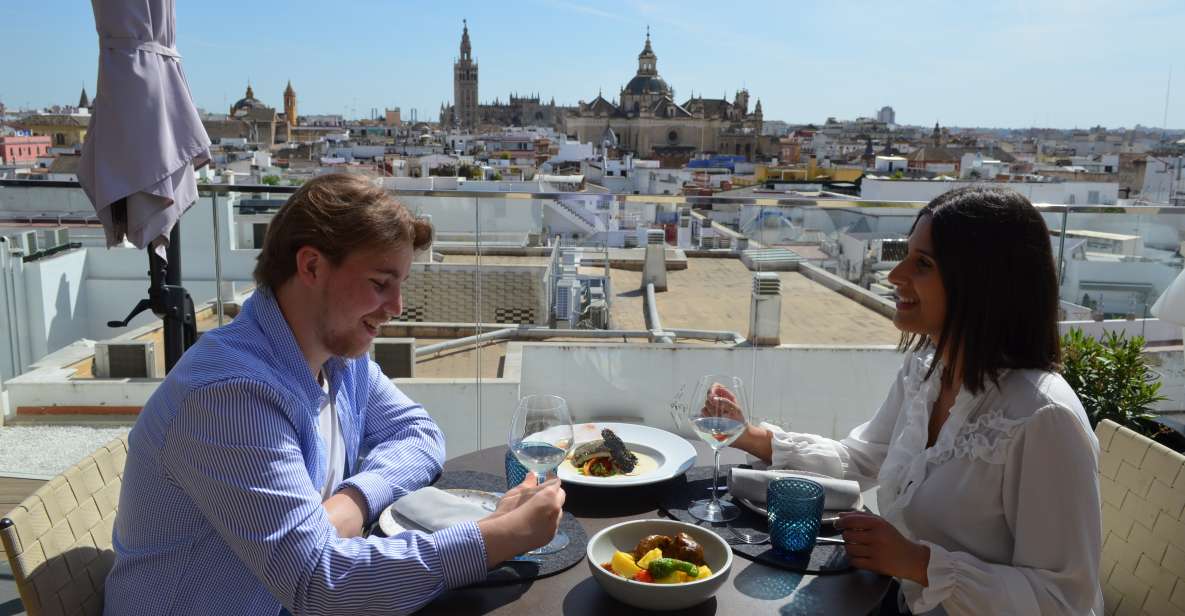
(541, 436)
(717, 414)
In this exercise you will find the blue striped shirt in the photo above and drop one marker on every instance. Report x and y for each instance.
(220, 510)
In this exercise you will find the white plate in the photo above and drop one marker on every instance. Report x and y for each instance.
(673, 454)
(392, 523)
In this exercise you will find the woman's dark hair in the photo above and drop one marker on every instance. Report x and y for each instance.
(994, 255)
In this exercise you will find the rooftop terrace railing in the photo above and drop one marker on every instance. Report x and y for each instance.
(1118, 270)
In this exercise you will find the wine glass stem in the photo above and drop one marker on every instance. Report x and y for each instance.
(716, 481)
(540, 477)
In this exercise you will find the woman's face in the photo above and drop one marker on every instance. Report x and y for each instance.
(921, 298)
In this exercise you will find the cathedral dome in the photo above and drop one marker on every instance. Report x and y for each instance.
(647, 84)
(247, 102)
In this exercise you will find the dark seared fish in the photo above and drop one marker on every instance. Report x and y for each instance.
(622, 457)
(587, 451)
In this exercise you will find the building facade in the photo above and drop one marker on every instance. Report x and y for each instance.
(64, 130)
(465, 85)
(23, 149)
(290, 106)
(646, 120)
(468, 114)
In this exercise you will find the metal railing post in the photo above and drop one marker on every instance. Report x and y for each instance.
(217, 259)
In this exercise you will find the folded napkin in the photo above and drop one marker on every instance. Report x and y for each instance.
(751, 484)
(431, 509)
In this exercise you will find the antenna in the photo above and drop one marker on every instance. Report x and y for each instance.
(1167, 89)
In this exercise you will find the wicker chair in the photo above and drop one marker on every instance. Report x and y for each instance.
(58, 540)
(1143, 490)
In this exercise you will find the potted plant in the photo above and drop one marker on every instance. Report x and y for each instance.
(1113, 381)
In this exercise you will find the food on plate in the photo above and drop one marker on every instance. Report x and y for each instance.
(604, 457)
(660, 559)
(651, 542)
(686, 548)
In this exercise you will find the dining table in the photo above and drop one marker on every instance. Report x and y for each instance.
(752, 587)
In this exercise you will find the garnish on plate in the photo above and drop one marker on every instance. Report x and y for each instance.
(604, 457)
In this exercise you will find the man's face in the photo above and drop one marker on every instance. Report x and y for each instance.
(360, 295)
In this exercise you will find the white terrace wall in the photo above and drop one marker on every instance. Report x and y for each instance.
(824, 390)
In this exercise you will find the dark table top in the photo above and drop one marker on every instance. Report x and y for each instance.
(751, 589)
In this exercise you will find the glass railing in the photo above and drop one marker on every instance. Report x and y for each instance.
(540, 292)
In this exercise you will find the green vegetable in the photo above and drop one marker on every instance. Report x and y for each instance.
(662, 567)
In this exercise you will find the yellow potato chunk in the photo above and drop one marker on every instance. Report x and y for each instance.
(623, 565)
(676, 577)
(704, 572)
(649, 556)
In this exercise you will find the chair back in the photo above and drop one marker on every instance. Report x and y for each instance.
(58, 540)
(1143, 491)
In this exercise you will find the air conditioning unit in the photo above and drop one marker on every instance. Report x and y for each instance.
(58, 237)
(567, 301)
(130, 359)
(396, 357)
(598, 314)
(27, 240)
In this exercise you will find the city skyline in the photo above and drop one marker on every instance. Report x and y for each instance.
(1075, 64)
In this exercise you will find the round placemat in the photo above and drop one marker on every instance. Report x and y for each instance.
(824, 559)
(530, 567)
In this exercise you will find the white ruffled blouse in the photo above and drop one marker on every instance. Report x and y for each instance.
(1007, 499)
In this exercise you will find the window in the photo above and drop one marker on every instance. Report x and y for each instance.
(60, 139)
(673, 136)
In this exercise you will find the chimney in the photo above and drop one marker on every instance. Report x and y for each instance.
(765, 310)
(396, 357)
(654, 268)
(425, 255)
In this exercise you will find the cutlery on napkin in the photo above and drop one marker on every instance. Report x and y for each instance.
(751, 484)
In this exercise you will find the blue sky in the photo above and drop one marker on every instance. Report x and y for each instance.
(1018, 63)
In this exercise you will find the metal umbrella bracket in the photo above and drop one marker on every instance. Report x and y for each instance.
(144, 143)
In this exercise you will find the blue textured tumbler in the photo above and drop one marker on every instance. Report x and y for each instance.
(515, 471)
(795, 509)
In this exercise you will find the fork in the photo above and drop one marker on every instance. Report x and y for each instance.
(757, 538)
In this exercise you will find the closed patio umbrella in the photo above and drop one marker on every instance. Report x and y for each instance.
(144, 143)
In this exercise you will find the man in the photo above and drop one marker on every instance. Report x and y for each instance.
(254, 466)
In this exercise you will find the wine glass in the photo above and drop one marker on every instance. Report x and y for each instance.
(541, 436)
(717, 416)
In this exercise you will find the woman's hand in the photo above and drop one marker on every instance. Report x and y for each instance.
(755, 440)
(722, 403)
(874, 544)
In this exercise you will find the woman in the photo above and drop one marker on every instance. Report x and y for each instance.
(985, 461)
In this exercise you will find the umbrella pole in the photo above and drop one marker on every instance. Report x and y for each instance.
(168, 300)
(173, 301)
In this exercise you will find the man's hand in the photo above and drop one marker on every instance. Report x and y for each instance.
(526, 518)
(347, 512)
(876, 545)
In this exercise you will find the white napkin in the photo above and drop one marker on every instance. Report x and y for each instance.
(749, 483)
(432, 509)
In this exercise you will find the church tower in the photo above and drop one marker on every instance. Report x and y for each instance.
(465, 85)
(290, 105)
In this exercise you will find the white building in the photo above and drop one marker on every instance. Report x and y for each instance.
(1164, 180)
(1053, 192)
(890, 164)
(978, 167)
